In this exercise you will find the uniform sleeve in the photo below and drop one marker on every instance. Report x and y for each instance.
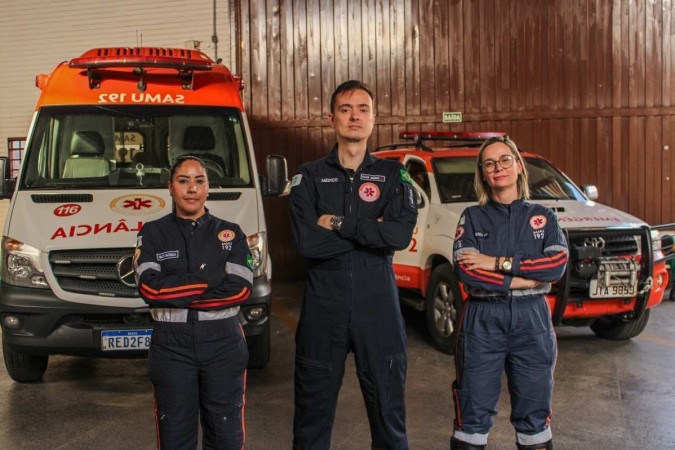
(550, 264)
(395, 229)
(158, 288)
(485, 280)
(313, 241)
(236, 280)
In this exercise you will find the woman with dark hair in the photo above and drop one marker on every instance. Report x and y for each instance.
(193, 270)
(507, 253)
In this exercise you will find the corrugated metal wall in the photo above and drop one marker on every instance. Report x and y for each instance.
(36, 35)
(587, 83)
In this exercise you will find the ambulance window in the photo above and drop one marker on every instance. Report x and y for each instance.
(418, 172)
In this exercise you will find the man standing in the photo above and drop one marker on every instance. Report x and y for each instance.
(350, 212)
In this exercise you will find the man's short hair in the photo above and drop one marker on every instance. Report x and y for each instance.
(351, 85)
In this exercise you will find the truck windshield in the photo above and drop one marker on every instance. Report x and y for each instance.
(455, 175)
(133, 146)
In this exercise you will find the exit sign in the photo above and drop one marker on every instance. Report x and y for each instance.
(452, 117)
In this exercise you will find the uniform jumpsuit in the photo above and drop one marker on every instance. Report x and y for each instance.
(504, 328)
(351, 301)
(193, 274)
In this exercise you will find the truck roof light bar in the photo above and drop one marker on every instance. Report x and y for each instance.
(184, 61)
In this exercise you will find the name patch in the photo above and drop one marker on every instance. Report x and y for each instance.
(368, 177)
(330, 180)
(172, 254)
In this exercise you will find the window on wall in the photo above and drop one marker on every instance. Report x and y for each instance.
(15, 148)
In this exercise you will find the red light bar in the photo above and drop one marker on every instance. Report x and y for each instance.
(169, 58)
(450, 135)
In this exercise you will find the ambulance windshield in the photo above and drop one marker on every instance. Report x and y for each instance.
(133, 146)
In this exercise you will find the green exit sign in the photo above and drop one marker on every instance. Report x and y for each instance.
(452, 117)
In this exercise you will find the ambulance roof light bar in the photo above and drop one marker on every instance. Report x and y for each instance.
(183, 60)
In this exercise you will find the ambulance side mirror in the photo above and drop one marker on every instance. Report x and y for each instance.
(6, 183)
(276, 183)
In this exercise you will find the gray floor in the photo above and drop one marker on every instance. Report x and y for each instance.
(608, 395)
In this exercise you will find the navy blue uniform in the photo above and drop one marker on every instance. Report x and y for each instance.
(193, 274)
(503, 328)
(351, 300)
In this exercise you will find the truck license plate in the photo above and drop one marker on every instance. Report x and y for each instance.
(613, 291)
(113, 340)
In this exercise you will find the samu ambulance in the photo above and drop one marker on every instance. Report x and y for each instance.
(106, 129)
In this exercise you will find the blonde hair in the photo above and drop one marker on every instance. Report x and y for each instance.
(483, 189)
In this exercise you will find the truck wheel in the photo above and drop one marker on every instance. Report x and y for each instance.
(23, 367)
(617, 329)
(259, 350)
(443, 308)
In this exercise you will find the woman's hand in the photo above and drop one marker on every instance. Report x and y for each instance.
(474, 260)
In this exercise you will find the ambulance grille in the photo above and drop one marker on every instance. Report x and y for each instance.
(62, 198)
(100, 272)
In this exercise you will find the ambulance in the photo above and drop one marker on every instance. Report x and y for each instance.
(616, 273)
(106, 129)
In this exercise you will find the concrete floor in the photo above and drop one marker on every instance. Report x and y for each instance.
(608, 395)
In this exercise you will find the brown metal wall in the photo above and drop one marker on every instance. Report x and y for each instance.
(587, 83)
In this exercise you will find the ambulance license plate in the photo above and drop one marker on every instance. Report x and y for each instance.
(613, 291)
(114, 340)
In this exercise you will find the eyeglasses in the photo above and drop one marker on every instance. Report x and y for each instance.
(505, 161)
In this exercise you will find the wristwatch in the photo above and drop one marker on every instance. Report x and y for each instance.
(506, 265)
(336, 222)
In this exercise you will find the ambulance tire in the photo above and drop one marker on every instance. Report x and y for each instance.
(443, 308)
(22, 367)
(259, 350)
(617, 329)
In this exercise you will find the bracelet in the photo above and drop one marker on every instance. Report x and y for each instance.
(496, 263)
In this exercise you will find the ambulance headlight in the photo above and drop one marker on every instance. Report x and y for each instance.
(257, 243)
(21, 264)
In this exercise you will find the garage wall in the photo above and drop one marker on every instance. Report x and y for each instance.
(36, 35)
(588, 83)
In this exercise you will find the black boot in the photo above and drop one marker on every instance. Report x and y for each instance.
(548, 445)
(456, 444)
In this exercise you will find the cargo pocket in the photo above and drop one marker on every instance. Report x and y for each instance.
(313, 382)
(396, 375)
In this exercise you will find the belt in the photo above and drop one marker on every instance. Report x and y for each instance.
(185, 315)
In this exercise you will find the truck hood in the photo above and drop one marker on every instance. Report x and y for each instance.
(107, 219)
(572, 214)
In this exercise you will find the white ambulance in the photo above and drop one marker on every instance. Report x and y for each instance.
(106, 129)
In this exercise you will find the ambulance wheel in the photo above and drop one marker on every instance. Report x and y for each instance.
(259, 350)
(22, 367)
(443, 308)
(617, 329)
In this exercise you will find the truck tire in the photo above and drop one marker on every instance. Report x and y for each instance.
(22, 367)
(259, 350)
(443, 308)
(617, 329)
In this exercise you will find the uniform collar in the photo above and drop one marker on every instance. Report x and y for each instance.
(515, 205)
(188, 222)
(334, 160)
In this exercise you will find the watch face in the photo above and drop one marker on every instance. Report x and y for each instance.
(506, 265)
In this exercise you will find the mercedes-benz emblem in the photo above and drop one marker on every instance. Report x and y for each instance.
(125, 270)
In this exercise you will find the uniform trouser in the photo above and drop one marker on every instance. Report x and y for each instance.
(198, 370)
(505, 333)
(325, 336)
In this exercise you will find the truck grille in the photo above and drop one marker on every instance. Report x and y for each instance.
(95, 272)
(612, 245)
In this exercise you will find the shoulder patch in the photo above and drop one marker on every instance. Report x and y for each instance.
(249, 261)
(171, 254)
(297, 179)
(405, 176)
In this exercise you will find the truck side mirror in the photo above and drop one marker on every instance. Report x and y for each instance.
(277, 182)
(591, 191)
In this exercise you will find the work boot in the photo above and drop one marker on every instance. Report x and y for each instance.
(548, 445)
(456, 444)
